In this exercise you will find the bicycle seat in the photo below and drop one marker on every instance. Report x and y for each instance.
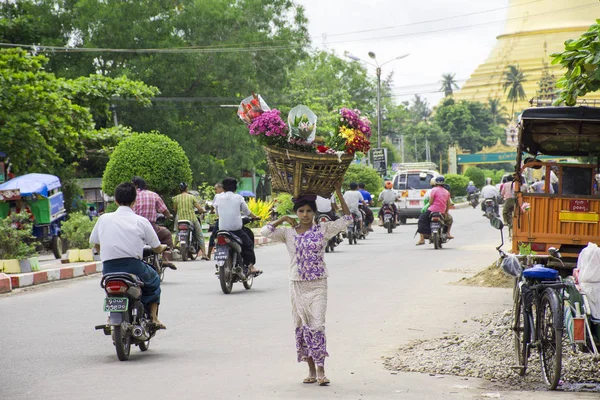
(541, 273)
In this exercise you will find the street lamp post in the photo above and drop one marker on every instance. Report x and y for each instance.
(378, 72)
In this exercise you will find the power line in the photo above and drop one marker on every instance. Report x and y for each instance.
(224, 49)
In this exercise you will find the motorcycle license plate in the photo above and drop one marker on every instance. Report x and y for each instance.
(414, 202)
(221, 255)
(116, 304)
(435, 226)
(387, 217)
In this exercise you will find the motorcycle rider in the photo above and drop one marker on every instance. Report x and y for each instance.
(230, 207)
(327, 207)
(471, 189)
(147, 205)
(119, 237)
(354, 198)
(215, 229)
(439, 201)
(183, 205)
(388, 197)
(489, 191)
(368, 202)
(508, 193)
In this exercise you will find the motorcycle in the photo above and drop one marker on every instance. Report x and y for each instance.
(490, 209)
(334, 241)
(473, 198)
(389, 219)
(364, 232)
(439, 234)
(353, 230)
(155, 260)
(188, 244)
(129, 322)
(230, 264)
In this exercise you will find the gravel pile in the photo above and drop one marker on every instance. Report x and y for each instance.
(488, 353)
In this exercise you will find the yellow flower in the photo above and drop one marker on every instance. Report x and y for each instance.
(347, 133)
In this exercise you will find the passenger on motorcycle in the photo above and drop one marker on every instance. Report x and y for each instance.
(147, 205)
(354, 198)
(439, 201)
(388, 197)
(489, 191)
(471, 189)
(230, 207)
(327, 206)
(119, 237)
(369, 218)
(215, 229)
(184, 205)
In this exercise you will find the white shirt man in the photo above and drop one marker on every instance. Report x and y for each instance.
(387, 196)
(353, 198)
(324, 205)
(230, 207)
(490, 192)
(123, 234)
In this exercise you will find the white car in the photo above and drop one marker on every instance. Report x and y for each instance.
(410, 187)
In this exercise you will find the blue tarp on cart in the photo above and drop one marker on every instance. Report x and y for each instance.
(31, 184)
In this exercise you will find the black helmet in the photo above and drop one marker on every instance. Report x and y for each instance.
(182, 187)
(439, 180)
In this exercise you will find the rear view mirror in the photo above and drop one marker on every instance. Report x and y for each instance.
(497, 223)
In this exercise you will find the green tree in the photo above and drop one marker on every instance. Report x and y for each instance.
(476, 175)
(419, 109)
(77, 230)
(156, 158)
(205, 64)
(458, 184)
(468, 124)
(47, 123)
(513, 82)
(363, 173)
(580, 59)
(448, 84)
(498, 112)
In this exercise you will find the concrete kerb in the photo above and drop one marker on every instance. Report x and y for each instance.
(5, 283)
(49, 275)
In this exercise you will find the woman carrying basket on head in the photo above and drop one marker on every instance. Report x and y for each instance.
(306, 242)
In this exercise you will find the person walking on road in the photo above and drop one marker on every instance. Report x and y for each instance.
(120, 237)
(306, 242)
(184, 205)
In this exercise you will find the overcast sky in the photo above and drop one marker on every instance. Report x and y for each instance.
(333, 24)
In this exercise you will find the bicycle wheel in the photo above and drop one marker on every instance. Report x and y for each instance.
(550, 329)
(522, 322)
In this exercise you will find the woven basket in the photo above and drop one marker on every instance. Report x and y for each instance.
(300, 173)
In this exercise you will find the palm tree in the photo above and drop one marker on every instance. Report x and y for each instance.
(514, 79)
(448, 84)
(498, 112)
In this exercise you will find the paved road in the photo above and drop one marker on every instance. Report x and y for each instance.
(383, 293)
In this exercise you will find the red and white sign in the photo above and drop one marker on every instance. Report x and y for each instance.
(579, 205)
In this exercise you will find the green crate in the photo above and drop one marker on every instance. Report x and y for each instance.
(4, 209)
(41, 210)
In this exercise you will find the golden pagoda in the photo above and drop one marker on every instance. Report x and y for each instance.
(533, 31)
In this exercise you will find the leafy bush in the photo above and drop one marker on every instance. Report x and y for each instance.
(156, 158)
(363, 173)
(495, 174)
(16, 243)
(458, 184)
(111, 207)
(261, 209)
(77, 230)
(476, 175)
(284, 204)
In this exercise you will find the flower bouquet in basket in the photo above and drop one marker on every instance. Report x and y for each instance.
(299, 162)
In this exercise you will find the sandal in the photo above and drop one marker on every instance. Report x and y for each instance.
(257, 273)
(323, 381)
(309, 380)
(205, 258)
(419, 243)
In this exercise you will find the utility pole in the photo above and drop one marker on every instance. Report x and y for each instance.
(402, 146)
(113, 109)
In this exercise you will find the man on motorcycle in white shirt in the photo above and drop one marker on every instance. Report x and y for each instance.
(388, 197)
(354, 198)
(489, 191)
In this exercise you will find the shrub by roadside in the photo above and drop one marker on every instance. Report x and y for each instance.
(77, 230)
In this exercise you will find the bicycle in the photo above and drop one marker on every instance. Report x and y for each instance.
(538, 320)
